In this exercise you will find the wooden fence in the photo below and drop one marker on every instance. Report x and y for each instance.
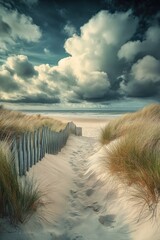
(30, 147)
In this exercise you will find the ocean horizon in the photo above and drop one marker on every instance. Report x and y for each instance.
(80, 112)
(82, 109)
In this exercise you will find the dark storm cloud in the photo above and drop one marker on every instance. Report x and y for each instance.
(39, 98)
(144, 78)
(7, 83)
(30, 2)
(45, 88)
(25, 70)
(5, 29)
(141, 89)
(20, 66)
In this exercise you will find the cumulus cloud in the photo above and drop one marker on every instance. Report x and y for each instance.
(21, 66)
(94, 62)
(144, 78)
(14, 26)
(95, 68)
(132, 49)
(146, 69)
(7, 83)
(21, 82)
(93, 85)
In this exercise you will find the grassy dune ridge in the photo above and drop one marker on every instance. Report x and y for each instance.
(135, 155)
(14, 123)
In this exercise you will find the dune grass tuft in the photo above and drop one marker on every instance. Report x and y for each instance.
(19, 197)
(134, 155)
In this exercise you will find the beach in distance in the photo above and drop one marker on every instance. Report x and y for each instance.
(84, 194)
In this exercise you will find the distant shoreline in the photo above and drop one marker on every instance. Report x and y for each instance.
(84, 112)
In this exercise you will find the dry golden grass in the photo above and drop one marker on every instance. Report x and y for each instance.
(120, 126)
(12, 122)
(135, 155)
(19, 197)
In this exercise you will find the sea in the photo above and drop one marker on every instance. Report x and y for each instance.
(79, 112)
(111, 108)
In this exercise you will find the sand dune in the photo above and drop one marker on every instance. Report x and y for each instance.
(79, 202)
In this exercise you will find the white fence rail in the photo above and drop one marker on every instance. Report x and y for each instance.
(30, 147)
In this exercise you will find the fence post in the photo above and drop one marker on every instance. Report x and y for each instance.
(42, 149)
(35, 146)
(20, 156)
(78, 131)
(53, 143)
(25, 154)
(56, 142)
(47, 140)
(38, 144)
(15, 154)
(30, 146)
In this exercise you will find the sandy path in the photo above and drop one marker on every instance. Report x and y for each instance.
(76, 209)
(85, 218)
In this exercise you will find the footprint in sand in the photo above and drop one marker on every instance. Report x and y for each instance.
(95, 207)
(73, 193)
(79, 184)
(75, 168)
(77, 238)
(89, 192)
(107, 220)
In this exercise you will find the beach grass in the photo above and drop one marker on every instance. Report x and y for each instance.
(134, 156)
(15, 123)
(118, 127)
(19, 197)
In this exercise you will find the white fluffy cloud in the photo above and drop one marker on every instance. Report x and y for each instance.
(20, 81)
(94, 62)
(14, 26)
(146, 69)
(100, 38)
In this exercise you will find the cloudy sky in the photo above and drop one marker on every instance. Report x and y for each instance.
(54, 51)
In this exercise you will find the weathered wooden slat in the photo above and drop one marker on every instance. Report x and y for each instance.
(42, 147)
(29, 148)
(15, 153)
(30, 141)
(25, 154)
(38, 144)
(35, 147)
(78, 131)
(20, 157)
(47, 140)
